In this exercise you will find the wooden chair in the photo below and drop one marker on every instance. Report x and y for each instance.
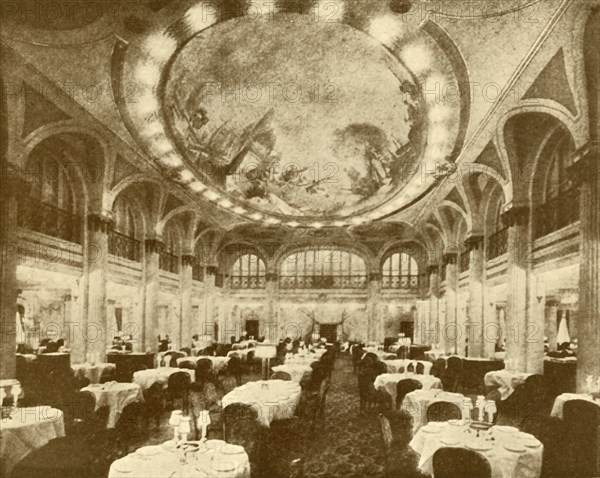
(281, 376)
(178, 386)
(443, 411)
(405, 386)
(582, 423)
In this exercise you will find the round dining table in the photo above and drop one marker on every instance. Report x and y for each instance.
(117, 396)
(92, 372)
(389, 381)
(399, 365)
(26, 430)
(272, 399)
(296, 371)
(559, 402)
(511, 453)
(146, 378)
(505, 381)
(214, 458)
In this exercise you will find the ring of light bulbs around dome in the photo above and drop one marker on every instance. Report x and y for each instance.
(150, 61)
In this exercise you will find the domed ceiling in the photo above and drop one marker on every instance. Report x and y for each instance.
(335, 114)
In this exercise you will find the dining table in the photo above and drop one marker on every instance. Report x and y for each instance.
(146, 378)
(272, 399)
(399, 365)
(93, 372)
(416, 404)
(510, 452)
(26, 430)
(219, 363)
(389, 381)
(296, 371)
(505, 381)
(559, 402)
(192, 459)
(117, 396)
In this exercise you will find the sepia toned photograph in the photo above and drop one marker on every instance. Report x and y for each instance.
(300, 239)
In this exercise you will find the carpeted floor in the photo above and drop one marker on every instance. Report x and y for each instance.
(346, 444)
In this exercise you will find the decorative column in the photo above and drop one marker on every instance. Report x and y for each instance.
(585, 172)
(375, 331)
(12, 186)
(208, 307)
(517, 275)
(450, 331)
(475, 312)
(431, 334)
(274, 329)
(152, 248)
(184, 338)
(96, 325)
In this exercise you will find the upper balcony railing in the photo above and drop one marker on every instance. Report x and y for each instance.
(323, 282)
(124, 246)
(556, 213)
(50, 220)
(400, 282)
(247, 282)
(497, 244)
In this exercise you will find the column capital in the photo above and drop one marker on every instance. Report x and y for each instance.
(515, 216)
(100, 223)
(474, 242)
(585, 163)
(374, 276)
(432, 269)
(271, 276)
(153, 246)
(450, 258)
(212, 270)
(187, 260)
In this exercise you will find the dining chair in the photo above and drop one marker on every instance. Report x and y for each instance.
(405, 386)
(443, 411)
(281, 376)
(460, 463)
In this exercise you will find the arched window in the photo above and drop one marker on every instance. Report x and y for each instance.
(122, 241)
(323, 268)
(400, 271)
(169, 260)
(248, 272)
(558, 204)
(50, 207)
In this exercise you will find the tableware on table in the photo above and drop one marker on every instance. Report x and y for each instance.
(214, 444)
(480, 445)
(430, 429)
(514, 447)
(147, 451)
(222, 466)
(458, 422)
(231, 449)
(124, 466)
(449, 441)
(505, 429)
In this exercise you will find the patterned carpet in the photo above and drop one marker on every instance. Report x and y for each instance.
(346, 444)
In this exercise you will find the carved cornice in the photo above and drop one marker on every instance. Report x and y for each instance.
(516, 216)
(585, 163)
(152, 246)
(99, 223)
(474, 242)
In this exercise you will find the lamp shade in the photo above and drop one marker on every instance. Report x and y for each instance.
(265, 351)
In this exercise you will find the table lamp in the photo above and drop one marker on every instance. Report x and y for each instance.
(174, 421)
(203, 422)
(266, 352)
(184, 428)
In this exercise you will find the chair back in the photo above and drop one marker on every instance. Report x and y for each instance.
(236, 413)
(582, 422)
(443, 411)
(241, 427)
(228, 383)
(130, 425)
(402, 352)
(281, 376)
(405, 386)
(186, 350)
(454, 363)
(178, 384)
(410, 368)
(438, 367)
(84, 406)
(107, 375)
(420, 368)
(380, 367)
(460, 463)
(390, 357)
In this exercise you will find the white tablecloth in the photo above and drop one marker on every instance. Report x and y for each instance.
(300, 359)
(146, 378)
(275, 401)
(526, 463)
(399, 365)
(92, 372)
(433, 355)
(403, 341)
(241, 353)
(505, 381)
(219, 363)
(165, 463)
(389, 381)
(28, 429)
(296, 371)
(116, 396)
(416, 404)
(559, 402)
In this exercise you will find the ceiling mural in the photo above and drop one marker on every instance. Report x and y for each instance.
(333, 117)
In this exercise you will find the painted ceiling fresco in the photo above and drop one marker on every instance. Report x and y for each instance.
(297, 118)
